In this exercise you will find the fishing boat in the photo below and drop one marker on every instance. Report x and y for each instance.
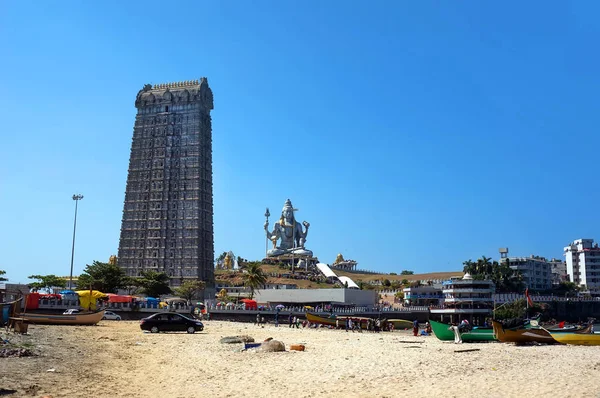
(580, 337)
(443, 332)
(90, 318)
(401, 323)
(521, 335)
(313, 318)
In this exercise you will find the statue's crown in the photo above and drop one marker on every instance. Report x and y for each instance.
(288, 205)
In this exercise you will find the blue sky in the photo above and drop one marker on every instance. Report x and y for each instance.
(411, 135)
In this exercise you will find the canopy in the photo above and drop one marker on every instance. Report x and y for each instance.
(175, 300)
(249, 303)
(152, 300)
(67, 292)
(87, 298)
(50, 296)
(116, 298)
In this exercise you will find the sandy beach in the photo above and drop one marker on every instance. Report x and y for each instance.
(116, 359)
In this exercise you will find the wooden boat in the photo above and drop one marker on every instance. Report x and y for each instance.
(522, 335)
(576, 338)
(90, 318)
(313, 318)
(443, 332)
(400, 324)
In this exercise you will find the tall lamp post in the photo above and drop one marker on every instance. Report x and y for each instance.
(76, 198)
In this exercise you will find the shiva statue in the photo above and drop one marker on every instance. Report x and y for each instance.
(291, 233)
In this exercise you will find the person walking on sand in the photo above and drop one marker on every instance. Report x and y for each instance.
(290, 320)
(415, 327)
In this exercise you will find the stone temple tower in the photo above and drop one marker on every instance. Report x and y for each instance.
(168, 213)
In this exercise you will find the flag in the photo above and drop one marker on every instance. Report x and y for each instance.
(561, 324)
(529, 300)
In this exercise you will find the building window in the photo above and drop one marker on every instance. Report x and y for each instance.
(166, 109)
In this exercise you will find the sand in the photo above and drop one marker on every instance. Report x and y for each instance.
(116, 359)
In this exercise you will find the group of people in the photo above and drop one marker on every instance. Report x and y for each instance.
(426, 332)
(375, 325)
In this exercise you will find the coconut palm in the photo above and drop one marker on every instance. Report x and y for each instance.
(254, 277)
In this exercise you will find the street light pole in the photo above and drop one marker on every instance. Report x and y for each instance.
(76, 198)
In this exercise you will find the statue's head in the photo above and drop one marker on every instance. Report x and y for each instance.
(288, 211)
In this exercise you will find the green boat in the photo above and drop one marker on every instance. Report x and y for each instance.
(443, 332)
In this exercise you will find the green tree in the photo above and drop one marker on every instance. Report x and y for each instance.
(407, 272)
(505, 278)
(386, 283)
(254, 277)
(153, 284)
(47, 282)
(189, 289)
(2, 279)
(105, 277)
(399, 295)
(567, 289)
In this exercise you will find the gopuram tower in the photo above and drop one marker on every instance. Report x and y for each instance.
(168, 213)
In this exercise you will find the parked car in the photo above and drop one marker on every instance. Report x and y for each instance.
(170, 322)
(111, 316)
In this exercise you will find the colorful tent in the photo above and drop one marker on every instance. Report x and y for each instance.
(250, 304)
(87, 298)
(117, 298)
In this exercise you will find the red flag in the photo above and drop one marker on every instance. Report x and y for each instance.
(529, 300)
(561, 324)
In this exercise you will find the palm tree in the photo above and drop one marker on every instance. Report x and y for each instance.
(469, 267)
(254, 277)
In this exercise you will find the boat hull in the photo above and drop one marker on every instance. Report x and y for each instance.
(522, 335)
(576, 338)
(312, 318)
(62, 319)
(442, 331)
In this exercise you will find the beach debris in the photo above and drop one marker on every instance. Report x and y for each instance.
(411, 342)
(272, 346)
(236, 339)
(268, 339)
(297, 347)
(16, 352)
(51, 370)
(413, 346)
(5, 391)
(468, 350)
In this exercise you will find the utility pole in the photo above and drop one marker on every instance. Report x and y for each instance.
(76, 198)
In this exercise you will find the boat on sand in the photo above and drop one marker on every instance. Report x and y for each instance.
(443, 332)
(90, 318)
(584, 336)
(521, 335)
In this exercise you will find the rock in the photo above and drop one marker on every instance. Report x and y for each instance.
(236, 339)
(272, 346)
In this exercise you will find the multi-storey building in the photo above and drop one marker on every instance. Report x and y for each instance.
(583, 264)
(168, 213)
(559, 271)
(536, 271)
(466, 298)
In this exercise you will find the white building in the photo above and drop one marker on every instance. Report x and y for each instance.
(536, 271)
(582, 258)
(466, 298)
